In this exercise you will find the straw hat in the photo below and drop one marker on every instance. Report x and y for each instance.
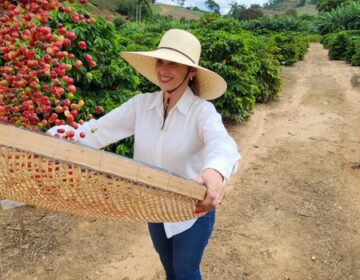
(182, 47)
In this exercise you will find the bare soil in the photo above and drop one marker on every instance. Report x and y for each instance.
(292, 210)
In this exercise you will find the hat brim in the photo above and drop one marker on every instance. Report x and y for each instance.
(210, 84)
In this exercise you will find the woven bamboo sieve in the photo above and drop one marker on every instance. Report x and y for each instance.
(56, 174)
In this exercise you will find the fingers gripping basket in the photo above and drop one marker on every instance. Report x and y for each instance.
(52, 173)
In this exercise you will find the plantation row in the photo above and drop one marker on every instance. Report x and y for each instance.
(340, 28)
(344, 45)
(59, 65)
(250, 64)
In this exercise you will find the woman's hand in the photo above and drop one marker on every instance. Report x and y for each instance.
(215, 184)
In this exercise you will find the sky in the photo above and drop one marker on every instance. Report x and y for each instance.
(224, 4)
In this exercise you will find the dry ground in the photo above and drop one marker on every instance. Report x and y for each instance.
(292, 211)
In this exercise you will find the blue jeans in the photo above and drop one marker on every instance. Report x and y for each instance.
(181, 254)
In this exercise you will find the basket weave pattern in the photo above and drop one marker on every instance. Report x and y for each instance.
(63, 185)
(67, 187)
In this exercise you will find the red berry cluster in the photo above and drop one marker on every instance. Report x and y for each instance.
(35, 89)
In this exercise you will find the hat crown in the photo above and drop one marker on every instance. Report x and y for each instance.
(182, 42)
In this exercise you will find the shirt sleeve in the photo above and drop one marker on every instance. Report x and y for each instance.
(112, 127)
(221, 151)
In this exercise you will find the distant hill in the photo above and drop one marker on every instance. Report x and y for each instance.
(308, 8)
(283, 5)
(110, 5)
(106, 8)
(176, 12)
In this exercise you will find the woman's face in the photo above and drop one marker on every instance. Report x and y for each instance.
(171, 74)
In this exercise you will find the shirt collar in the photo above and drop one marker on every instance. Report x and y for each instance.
(185, 101)
(183, 104)
(156, 103)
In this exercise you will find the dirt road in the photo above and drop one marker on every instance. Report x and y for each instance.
(292, 211)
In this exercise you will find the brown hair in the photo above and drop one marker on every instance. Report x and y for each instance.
(194, 85)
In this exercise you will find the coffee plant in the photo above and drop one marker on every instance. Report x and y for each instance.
(37, 90)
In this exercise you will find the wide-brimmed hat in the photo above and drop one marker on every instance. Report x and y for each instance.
(181, 47)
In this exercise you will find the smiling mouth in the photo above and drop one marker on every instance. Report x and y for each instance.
(165, 79)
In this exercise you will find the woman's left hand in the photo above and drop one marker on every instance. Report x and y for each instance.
(215, 184)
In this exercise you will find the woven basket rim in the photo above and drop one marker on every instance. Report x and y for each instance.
(183, 186)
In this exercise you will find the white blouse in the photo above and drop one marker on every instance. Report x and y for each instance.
(193, 137)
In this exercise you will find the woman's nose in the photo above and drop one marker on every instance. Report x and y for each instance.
(163, 67)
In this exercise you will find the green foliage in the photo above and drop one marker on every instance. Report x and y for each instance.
(291, 47)
(306, 17)
(268, 74)
(302, 3)
(213, 6)
(215, 22)
(255, 6)
(267, 25)
(327, 39)
(281, 5)
(338, 46)
(103, 46)
(235, 9)
(344, 45)
(313, 38)
(329, 5)
(134, 9)
(113, 81)
(291, 12)
(231, 56)
(248, 14)
(119, 22)
(353, 51)
(344, 17)
(249, 63)
(355, 59)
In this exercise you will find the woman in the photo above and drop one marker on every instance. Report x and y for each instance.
(178, 130)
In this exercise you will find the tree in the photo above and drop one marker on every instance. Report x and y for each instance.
(255, 6)
(213, 6)
(235, 9)
(302, 3)
(135, 9)
(248, 14)
(179, 2)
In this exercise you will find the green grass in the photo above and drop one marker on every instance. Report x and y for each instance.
(158, 9)
(314, 38)
(308, 9)
(176, 12)
(106, 8)
(284, 5)
(271, 12)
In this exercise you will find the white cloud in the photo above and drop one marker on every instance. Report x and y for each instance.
(224, 4)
